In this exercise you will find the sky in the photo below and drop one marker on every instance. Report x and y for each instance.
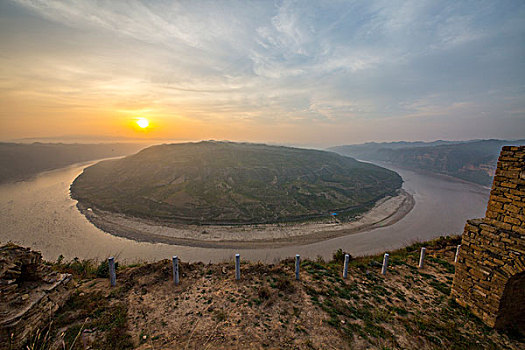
(318, 73)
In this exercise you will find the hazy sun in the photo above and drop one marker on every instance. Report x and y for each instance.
(142, 122)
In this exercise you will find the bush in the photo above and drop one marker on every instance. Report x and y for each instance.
(80, 268)
(103, 269)
(339, 256)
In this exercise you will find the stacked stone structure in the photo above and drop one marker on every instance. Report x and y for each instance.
(490, 271)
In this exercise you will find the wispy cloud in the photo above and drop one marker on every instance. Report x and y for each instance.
(318, 65)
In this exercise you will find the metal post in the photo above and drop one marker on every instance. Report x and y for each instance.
(297, 263)
(385, 264)
(112, 274)
(345, 268)
(237, 267)
(175, 260)
(457, 253)
(422, 257)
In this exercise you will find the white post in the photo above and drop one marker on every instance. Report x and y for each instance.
(422, 257)
(237, 267)
(457, 253)
(175, 260)
(112, 274)
(345, 268)
(385, 264)
(297, 263)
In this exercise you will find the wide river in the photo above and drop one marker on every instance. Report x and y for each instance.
(40, 214)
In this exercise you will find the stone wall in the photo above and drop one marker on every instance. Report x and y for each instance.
(490, 272)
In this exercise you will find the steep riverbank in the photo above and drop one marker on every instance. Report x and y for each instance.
(386, 212)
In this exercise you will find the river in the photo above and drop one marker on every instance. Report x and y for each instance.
(40, 214)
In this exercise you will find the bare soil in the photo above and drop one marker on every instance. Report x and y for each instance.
(268, 308)
(386, 212)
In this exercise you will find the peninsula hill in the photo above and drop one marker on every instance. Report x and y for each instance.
(233, 183)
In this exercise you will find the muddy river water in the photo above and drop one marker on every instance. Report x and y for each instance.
(40, 214)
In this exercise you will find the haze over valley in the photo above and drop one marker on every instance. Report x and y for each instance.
(292, 174)
(473, 161)
(20, 161)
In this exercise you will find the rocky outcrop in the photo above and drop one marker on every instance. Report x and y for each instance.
(30, 293)
(490, 272)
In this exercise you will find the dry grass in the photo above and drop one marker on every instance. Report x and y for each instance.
(268, 308)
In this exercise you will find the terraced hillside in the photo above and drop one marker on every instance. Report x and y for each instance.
(473, 161)
(225, 182)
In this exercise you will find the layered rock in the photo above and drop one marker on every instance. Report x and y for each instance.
(30, 293)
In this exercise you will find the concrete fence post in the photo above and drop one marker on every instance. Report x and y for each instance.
(175, 260)
(385, 264)
(457, 253)
(112, 274)
(345, 268)
(422, 257)
(297, 264)
(237, 267)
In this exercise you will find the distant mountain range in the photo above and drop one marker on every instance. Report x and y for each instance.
(473, 161)
(19, 161)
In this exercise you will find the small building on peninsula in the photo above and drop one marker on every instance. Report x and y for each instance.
(490, 271)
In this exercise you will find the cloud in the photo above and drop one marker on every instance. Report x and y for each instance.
(285, 62)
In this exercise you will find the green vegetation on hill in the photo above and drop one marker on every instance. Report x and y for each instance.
(225, 182)
(473, 161)
(20, 161)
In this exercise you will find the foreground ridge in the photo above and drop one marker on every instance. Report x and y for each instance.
(268, 308)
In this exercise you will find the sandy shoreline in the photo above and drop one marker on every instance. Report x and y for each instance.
(386, 212)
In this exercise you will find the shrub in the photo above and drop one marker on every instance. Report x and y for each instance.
(103, 269)
(339, 256)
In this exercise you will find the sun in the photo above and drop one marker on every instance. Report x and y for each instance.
(142, 123)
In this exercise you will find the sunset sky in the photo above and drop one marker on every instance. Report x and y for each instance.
(317, 73)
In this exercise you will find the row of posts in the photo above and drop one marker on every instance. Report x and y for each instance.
(175, 261)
